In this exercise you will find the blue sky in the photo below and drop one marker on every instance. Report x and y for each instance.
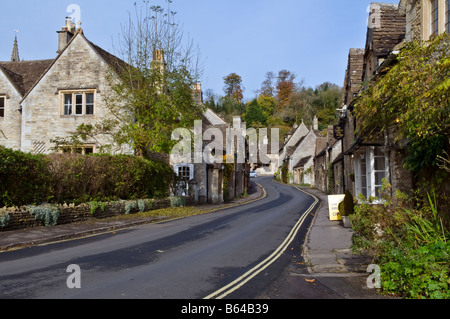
(247, 37)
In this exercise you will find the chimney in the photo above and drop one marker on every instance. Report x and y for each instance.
(316, 124)
(158, 63)
(198, 94)
(66, 34)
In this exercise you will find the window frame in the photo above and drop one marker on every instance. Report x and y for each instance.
(3, 108)
(183, 184)
(365, 165)
(77, 107)
(447, 16)
(84, 149)
(434, 18)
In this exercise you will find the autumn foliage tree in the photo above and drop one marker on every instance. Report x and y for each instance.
(285, 88)
(233, 87)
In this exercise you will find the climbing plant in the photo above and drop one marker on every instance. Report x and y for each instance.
(412, 99)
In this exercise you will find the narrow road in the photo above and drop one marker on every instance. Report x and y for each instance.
(235, 253)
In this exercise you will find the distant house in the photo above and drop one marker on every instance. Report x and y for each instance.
(298, 153)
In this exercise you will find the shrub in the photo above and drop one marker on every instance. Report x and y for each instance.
(4, 220)
(349, 204)
(78, 178)
(24, 178)
(27, 179)
(178, 201)
(408, 241)
(422, 272)
(46, 214)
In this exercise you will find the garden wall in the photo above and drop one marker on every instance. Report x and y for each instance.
(15, 218)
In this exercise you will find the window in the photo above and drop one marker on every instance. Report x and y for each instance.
(89, 103)
(434, 17)
(370, 170)
(2, 106)
(185, 173)
(78, 103)
(67, 104)
(83, 149)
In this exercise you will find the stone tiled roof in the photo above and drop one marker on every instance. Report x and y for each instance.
(24, 74)
(387, 28)
(353, 74)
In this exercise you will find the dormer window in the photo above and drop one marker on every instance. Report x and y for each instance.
(78, 103)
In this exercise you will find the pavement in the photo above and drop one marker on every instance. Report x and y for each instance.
(330, 270)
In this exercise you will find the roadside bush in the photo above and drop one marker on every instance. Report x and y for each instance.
(423, 272)
(24, 178)
(78, 178)
(27, 179)
(408, 240)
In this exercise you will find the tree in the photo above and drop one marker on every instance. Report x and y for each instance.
(267, 87)
(233, 88)
(254, 115)
(285, 88)
(327, 98)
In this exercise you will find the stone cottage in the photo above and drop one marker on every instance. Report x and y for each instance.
(48, 99)
(298, 152)
(367, 162)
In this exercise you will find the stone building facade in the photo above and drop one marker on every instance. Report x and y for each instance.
(426, 18)
(298, 152)
(47, 100)
(363, 164)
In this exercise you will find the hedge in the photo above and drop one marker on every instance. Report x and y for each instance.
(24, 178)
(27, 179)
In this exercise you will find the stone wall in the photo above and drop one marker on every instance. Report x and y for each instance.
(21, 217)
(78, 69)
(401, 179)
(10, 124)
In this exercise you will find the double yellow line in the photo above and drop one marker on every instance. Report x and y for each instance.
(249, 275)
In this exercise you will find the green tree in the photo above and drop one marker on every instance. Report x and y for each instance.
(254, 115)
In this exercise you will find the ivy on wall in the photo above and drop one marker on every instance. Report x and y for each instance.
(413, 99)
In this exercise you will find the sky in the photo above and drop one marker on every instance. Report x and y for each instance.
(249, 37)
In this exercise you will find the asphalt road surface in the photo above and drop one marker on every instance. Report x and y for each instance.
(236, 253)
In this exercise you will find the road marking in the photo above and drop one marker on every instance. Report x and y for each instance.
(241, 281)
